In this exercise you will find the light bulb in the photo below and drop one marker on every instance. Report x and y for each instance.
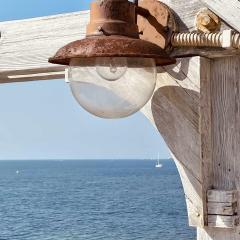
(111, 69)
(112, 87)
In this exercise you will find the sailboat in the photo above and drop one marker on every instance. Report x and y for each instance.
(158, 165)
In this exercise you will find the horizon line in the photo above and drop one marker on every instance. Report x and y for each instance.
(88, 159)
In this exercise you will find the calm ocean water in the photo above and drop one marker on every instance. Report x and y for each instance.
(91, 200)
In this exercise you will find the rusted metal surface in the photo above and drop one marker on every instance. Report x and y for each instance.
(113, 17)
(113, 32)
(156, 21)
(207, 21)
(111, 46)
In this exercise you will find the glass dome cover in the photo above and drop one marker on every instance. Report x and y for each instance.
(112, 87)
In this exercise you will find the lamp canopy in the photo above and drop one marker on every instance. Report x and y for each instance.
(111, 46)
(112, 32)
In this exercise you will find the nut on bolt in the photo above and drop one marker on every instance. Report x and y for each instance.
(207, 21)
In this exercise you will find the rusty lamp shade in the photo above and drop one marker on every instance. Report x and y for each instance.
(112, 72)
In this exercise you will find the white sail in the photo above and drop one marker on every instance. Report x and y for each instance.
(158, 165)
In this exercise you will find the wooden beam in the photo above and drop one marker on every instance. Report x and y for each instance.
(49, 73)
(204, 52)
(228, 10)
(26, 45)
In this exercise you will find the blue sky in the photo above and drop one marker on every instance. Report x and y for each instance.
(41, 120)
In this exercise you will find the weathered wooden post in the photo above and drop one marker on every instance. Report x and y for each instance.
(196, 109)
(193, 115)
(196, 105)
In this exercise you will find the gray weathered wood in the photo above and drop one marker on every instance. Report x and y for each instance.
(168, 110)
(174, 110)
(222, 171)
(205, 127)
(222, 196)
(225, 209)
(225, 83)
(222, 202)
(210, 233)
(218, 221)
(186, 12)
(26, 45)
(204, 52)
(228, 10)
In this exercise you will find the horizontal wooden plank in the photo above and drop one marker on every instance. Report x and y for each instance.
(26, 45)
(204, 52)
(228, 10)
(219, 221)
(222, 196)
(227, 209)
(209, 233)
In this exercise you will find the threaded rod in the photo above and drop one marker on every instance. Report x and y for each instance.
(203, 40)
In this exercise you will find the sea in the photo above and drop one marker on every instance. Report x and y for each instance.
(92, 200)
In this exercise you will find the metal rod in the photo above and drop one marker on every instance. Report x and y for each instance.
(143, 12)
(203, 40)
(136, 14)
(135, 2)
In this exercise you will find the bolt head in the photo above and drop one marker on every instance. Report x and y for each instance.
(207, 21)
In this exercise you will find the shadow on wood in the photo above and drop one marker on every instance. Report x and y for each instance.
(177, 119)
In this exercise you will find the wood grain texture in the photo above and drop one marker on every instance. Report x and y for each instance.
(174, 110)
(223, 112)
(217, 234)
(221, 208)
(186, 12)
(205, 132)
(204, 52)
(176, 116)
(218, 221)
(225, 116)
(192, 189)
(220, 196)
(228, 10)
(26, 45)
